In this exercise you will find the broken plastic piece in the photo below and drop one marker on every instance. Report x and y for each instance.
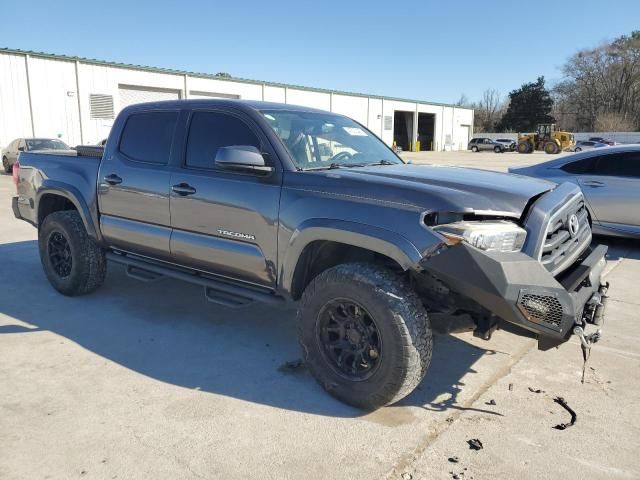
(475, 444)
(535, 390)
(562, 426)
(453, 459)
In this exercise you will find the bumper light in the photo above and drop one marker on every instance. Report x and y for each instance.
(501, 235)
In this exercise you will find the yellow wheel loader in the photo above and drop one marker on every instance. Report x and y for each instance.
(546, 138)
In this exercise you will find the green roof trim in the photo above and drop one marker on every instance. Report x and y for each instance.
(172, 71)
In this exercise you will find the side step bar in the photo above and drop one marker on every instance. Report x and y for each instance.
(221, 291)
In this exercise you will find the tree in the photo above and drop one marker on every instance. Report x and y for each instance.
(487, 110)
(223, 75)
(529, 105)
(603, 81)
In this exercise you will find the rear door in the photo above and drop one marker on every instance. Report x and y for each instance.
(612, 188)
(133, 184)
(228, 223)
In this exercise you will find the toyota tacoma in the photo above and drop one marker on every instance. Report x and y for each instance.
(264, 202)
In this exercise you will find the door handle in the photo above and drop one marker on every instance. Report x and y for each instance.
(183, 189)
(113, 179)
(594, 184)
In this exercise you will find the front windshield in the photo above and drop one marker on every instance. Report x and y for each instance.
(323, 140)
(46, 144)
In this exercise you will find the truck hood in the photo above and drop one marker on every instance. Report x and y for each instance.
(436, 187)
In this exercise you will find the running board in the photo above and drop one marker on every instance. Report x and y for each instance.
(221, 291)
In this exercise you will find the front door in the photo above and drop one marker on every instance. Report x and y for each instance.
(133, 185)
(224, 222)
(613, 190)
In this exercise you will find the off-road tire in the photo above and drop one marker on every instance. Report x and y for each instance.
(474, 149)
(88, 262)
(5, 164)
(404, 329)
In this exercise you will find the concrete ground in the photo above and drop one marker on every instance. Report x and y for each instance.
(148, 380)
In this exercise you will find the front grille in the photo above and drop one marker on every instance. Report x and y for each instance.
(541, 309)
(562, 244)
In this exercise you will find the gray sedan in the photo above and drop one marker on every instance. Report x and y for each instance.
(610, 180)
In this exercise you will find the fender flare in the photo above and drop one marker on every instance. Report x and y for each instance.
(376, 239)
(71, 193)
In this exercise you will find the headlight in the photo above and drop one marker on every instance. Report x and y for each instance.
(499, 235)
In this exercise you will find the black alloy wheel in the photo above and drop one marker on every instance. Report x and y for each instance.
(60, 254)
(349, 339)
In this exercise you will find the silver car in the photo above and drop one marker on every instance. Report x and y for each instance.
(586, 145)
(478, 144)
(610, 180)
(10, 152)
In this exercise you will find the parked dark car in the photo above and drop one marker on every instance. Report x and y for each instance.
(264, 202)
(10, 152)
(607, 141)
(480, 144)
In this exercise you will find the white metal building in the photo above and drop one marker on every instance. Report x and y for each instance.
(76, 99)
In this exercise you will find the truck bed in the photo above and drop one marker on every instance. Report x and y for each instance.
(68, 172)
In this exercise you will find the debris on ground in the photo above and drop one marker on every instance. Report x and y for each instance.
(294, 366)
(535, 390)
(449, 420)
(453, 459)
(475, 444)
(562, 426)
(510, 386)
(490, 402)
(406, 476)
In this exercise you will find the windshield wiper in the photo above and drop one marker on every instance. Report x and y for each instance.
(336, 165)
(382, 162)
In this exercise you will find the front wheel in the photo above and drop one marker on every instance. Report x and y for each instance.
(498, 150)
(577, 149)
(73, 263)
(364, 334)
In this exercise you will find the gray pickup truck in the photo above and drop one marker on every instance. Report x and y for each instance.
(263, 202)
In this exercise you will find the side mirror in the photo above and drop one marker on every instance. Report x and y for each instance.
(242, 158)
(21, 149)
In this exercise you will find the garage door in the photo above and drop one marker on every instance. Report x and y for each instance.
(130, 95)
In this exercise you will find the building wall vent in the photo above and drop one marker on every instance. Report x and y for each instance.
(101, 106)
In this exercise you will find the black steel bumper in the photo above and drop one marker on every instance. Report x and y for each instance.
(518, 289)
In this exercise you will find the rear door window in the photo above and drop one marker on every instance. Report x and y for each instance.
(209, 131)
(147, 137)
(625, 164)
(584, 166)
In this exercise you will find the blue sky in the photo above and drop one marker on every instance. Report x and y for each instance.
(428, 50)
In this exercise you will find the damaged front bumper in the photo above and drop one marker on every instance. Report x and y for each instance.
(520, 290)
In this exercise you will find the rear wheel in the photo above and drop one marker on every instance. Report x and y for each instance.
(7, 167)
(474, 149)
(73, 263)
(524, 147)
(365, 335)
